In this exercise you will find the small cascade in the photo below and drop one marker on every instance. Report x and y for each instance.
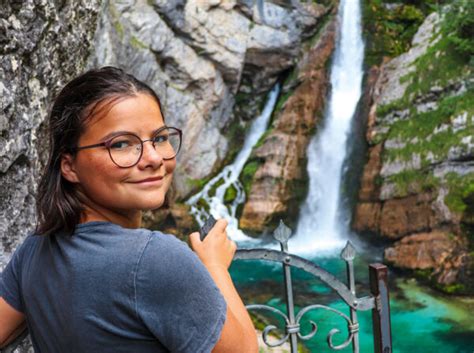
(229, 178)
(321, 225)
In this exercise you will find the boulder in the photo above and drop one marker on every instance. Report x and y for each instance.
(421, 251)
(441, 253)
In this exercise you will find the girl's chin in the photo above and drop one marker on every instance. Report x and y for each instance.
(152, 205)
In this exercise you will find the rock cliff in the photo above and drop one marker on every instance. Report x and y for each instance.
(277, 168)
(417, 188)
(38, 40)
(201, 56)
(43, 45)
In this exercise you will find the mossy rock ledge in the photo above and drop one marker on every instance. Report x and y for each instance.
(417, 188)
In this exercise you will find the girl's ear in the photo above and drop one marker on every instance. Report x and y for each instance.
(68, 170)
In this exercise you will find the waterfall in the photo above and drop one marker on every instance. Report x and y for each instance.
(229, 177)
(321, 226)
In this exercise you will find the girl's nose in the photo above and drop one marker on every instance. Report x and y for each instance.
(150, 157)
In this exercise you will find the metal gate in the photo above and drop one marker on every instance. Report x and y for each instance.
(378, 301)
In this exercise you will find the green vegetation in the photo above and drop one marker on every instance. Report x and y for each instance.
(119, 28)
(212, 190)
(460, 25)
(455, 288)
(413, 181)
(137, 43)
(461, 193)
(235, 134)
(115, 17)
(281, 101)
(246, 177)
(202, 204)
(321, 29)
(263, 138)
(420, 135)
(230, 194)
(430, 135)
(442, 62)
(424, 275)
(389, 27)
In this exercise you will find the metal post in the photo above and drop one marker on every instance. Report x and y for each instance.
(378, 277)
(282, 234)
(348, 255)
(292, 328)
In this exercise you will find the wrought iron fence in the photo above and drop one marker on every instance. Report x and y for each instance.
(378, 301)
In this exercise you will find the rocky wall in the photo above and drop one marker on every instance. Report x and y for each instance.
(43, 44)
(418, 182)
(201, 56)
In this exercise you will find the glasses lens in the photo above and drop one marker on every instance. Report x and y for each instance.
(125, 150)
(167, 142)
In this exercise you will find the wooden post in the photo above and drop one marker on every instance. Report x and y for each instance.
(378, 277)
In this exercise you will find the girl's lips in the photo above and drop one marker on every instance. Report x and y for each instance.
(148, 180)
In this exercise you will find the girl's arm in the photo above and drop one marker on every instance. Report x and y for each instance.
(216, 252)
(12, 323)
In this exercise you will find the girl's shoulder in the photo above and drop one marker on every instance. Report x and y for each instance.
(160, 242)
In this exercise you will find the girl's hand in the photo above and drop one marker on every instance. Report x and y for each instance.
(216, 250)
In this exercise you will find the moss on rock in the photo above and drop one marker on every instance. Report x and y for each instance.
(230, 194)
(248, 172)
(389, 28)
(461, 193)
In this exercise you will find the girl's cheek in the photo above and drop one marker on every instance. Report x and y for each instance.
(170, 166)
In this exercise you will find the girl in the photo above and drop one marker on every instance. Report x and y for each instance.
(90, 279)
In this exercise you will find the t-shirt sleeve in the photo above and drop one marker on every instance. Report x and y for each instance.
(176, 297)
(10, 281)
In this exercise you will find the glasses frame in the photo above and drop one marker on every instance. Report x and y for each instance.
(108, 142)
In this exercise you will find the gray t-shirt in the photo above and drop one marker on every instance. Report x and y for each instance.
(112, 289)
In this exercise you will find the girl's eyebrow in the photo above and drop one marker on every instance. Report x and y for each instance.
(115, 133)
(122, 132)
(157, 130)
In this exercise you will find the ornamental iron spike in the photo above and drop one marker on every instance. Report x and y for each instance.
(282, 233)
(349, 252)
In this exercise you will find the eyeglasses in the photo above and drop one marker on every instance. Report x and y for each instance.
(125, 150)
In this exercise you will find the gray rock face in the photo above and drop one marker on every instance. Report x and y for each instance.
(389, 86)
(43, 44)
(196, 54)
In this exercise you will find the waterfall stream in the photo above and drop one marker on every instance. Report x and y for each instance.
(229, 177)
(321, 225)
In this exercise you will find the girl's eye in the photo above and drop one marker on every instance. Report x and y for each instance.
(160, 138)
(121, 144)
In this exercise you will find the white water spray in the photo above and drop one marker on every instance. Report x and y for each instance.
(320, 225)
(229, 177)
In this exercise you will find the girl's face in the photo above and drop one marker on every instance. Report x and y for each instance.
(108, 190)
